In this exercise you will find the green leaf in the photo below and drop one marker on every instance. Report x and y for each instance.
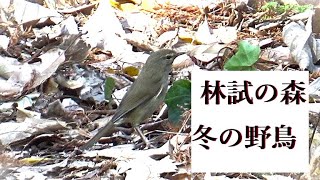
(109, 86)
(244, 59)
(178, 99)
(270, 6)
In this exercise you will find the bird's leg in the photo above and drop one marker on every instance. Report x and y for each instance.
(143, 137)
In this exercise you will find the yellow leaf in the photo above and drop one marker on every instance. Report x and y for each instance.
(34, 160)
(131, 71)
(114, 4)
(129, 7)
(149, 5)
(110, 70)
(188, 38)
(125, 5)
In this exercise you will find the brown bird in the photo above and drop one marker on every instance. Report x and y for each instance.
(143, 97)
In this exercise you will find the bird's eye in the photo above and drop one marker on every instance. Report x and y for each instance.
(169, 56)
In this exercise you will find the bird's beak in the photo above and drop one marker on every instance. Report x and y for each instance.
(180, 53)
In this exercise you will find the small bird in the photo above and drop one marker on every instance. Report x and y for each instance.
(143, 97)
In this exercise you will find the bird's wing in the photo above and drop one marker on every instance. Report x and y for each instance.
(135, 96)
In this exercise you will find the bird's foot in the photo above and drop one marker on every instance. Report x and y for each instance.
(146, 142)
(144, 145)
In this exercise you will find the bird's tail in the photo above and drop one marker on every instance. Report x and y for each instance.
(107, 130)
